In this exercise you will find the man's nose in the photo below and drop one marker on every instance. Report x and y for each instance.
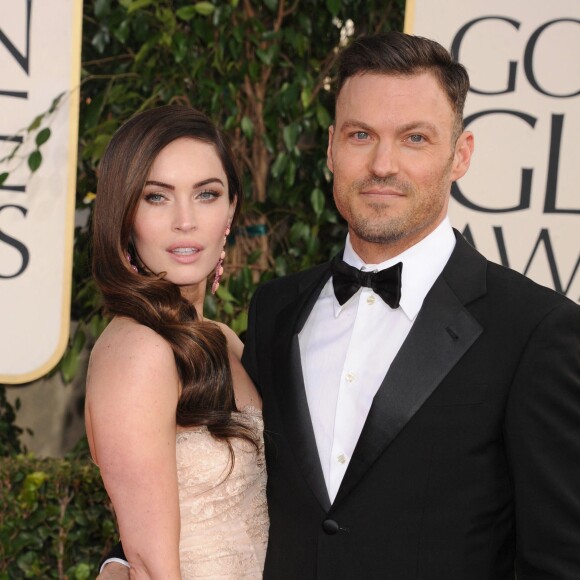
(384, 160)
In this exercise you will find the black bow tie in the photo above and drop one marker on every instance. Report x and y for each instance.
(347, 280)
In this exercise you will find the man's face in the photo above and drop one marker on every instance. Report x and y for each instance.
(392, 154)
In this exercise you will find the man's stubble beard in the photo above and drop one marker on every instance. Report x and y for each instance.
(382, 228)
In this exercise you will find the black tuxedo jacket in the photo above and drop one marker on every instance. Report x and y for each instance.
(468, 466)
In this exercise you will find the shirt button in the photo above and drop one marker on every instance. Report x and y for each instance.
(350, 377)
(371, 299)
(341, 458)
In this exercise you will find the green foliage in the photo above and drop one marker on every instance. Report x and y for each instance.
(56, 520)
(262, 71)
(9, 432)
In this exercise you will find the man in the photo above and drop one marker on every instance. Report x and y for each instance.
(433, 434)
(438, 440)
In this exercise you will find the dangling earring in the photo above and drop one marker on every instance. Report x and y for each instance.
(219, 269)
(130, 260)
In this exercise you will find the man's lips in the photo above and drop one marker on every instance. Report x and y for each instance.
(382, 192)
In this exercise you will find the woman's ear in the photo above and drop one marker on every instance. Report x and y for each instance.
(232, 210)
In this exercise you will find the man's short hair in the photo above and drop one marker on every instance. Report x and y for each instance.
(399, 54)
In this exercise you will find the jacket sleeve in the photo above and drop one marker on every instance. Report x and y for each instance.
(117, 553)
(542, 435)
(249, 356)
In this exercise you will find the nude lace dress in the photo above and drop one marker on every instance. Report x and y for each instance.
(224, 519)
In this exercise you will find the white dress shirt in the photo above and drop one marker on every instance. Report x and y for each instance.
(347, 350)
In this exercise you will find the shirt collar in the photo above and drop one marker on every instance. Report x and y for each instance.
(422, 265)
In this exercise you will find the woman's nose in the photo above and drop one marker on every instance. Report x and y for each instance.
(184, 218)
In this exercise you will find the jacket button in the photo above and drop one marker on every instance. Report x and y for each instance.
(330, 527)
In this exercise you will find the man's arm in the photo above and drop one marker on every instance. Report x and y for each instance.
(542, 433)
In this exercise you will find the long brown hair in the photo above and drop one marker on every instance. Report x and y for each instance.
(199, 347)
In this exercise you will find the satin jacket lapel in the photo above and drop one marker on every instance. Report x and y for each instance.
(289, 381)
(443, 332)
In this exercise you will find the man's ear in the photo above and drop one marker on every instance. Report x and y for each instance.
(462, 156)
(329, 163)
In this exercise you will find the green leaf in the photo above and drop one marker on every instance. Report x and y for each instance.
(323, 117)
(305, 97)
(290, 173)
(55, 103)
(247, 127)
(333, 6)
(43, 136)
(69, 366)
(267, 56)
(34, 160)
(179, 47)
(101, 40)
(138, 4)
(223, 293)
(102, 8)
(186, 12)
(78, 342)
(272, 5)
(279, 164)
(318, 201)
(204, 8)
(290, 135)
(3, 177)
(299, 231)
(82, 572)
(280, 266)
(36, 123)
(240, 322)
(253, 257)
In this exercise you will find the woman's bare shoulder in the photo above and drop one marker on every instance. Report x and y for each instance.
(126, 337)
(129, 350)
(235, 345)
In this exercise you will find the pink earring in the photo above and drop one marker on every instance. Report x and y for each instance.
(129, 259)
(219, 269)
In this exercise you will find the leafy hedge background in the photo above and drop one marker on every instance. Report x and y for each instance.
(262, 70)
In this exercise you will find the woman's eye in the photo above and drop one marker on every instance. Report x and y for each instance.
(208, 195)
(154, 197)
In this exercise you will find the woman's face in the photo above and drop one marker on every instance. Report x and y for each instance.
(183, 213)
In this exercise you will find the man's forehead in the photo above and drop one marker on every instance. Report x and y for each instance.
(379, 95)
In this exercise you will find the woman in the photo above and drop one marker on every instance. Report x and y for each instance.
(173, 421)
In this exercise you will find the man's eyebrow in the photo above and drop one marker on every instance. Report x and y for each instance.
(413, 126)
(419, 126)
(195, 185)
(354, 124)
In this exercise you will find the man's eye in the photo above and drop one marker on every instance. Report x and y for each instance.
(416, 138)
(361, 135)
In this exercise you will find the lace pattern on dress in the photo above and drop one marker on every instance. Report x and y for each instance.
(224, 518)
